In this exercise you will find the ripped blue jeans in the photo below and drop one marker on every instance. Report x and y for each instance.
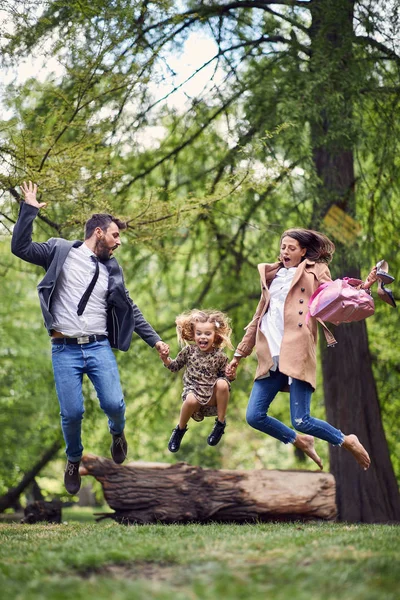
(263, 393)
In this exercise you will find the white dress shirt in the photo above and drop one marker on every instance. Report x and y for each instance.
(272, 323)
(76, 274)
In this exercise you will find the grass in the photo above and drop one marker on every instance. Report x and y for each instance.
(280, 561)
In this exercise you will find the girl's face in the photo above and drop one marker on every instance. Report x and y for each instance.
(291, 252)
(204, 336)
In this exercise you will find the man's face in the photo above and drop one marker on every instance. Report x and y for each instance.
(107, 241)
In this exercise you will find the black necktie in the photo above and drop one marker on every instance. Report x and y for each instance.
(84, 300)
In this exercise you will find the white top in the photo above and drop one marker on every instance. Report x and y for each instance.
(76, 274)
(272, 323)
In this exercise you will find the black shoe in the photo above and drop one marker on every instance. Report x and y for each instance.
(386, 295)
(72, 479)
(175, 440)
(217, 433)
(119, 448)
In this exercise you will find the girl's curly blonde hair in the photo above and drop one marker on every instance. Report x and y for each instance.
(185, 326)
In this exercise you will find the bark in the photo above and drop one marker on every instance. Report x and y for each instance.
(11, 497)
(351, 397)
(36, 492)
(156, 492)
(352, 405)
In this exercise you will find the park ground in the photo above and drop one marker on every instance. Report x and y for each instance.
(81, 559)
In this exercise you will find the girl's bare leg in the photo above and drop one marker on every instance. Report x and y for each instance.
(221, 393)
(306, 444)
(189, 406)
(353, 445)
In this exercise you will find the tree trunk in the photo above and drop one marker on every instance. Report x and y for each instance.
(180, 493)
(351, 398)
(352, 405)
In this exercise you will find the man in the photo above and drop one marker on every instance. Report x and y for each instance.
(87, 310)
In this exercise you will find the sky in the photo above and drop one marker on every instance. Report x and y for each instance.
(197, 49)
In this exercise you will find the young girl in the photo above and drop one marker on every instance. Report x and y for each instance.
(205, 386)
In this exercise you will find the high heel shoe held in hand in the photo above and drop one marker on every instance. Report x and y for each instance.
(382, 274)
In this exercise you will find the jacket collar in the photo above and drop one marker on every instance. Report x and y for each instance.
(269, 270)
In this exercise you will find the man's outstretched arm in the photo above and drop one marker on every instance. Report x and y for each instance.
(21, 243)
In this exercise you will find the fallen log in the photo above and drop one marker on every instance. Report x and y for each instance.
(142, 492)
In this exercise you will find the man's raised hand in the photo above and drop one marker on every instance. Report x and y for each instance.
(29, 190)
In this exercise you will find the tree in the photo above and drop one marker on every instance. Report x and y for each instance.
(332, 40)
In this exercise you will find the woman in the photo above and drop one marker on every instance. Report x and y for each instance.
(286, 345)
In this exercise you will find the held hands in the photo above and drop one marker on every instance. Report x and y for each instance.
(29, 190)
(163, 351)
(230, 369)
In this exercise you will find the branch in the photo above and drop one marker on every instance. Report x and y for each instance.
(366, 40)
(221, 52)
(158, 219)
(179, 148)
(14, 493)
(198, 13)
(254, 207)
(292, 22)
(380, 90)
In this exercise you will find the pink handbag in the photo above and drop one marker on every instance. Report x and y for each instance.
(340, 301)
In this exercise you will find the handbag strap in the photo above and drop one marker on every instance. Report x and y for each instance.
(330, 338)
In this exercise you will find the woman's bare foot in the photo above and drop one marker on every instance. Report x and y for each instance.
(353, 445)
(306, 444)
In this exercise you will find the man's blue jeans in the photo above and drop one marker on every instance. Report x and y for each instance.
(70, 363)
(262, 394)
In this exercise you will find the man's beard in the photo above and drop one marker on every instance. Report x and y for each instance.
(102, 251)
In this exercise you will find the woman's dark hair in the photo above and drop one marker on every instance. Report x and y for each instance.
(319, 247)
(103, 221)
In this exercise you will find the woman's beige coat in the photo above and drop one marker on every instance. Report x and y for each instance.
(298, 350)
